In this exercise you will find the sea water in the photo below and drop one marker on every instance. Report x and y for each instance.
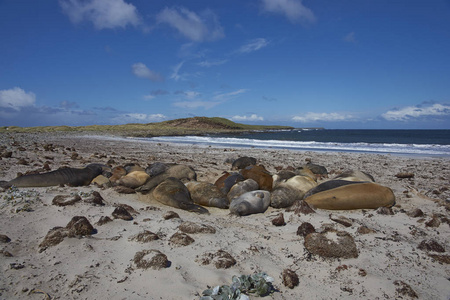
(407, 142)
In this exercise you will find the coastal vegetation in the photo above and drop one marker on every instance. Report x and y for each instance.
(185, 126)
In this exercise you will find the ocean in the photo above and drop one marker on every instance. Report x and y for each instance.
(405, 142)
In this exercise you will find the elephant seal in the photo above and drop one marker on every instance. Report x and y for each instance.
(355, 175)
(207, 194)
(281, 176)
(365, 195)
(117, 173)
(173, 192)
(227, 181)
(328, 185)
(259, 174)
(242, 187)
(156, 168)
(243, 162)
(176, 171)
(131, 167)
(134, 179)
(250, 203)
(286, 193)
(68, 176)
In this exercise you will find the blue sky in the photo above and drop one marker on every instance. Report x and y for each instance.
(334, 64)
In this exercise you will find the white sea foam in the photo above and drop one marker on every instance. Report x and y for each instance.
(420, 149)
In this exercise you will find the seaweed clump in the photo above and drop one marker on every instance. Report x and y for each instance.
(259, 284)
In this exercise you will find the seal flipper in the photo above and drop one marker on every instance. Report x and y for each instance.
(195, 208)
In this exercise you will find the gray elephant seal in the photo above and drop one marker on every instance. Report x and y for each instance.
(207, 194)
(243, 162)
(365, 195)
(173, 192)
(176, 171)
(355, 175)
(68, 176)
(242, 187)
(250, 203)
(328, 185)
(287, 192)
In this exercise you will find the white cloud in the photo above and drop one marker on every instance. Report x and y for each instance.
(254, 45)
(196, 27)
(322, 117)
(141, 70)
(416, 112)
(104, 14)
(139, 118)
(225, 96)
(208, 63)
(253, 117)
(196, 104)
(294, 10)
(16, 98)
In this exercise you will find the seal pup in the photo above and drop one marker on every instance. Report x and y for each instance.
(365, 195)
(286, 193)
(173, 192)
(253, 202)
(207, 194)
(68, 176)
(177, 171)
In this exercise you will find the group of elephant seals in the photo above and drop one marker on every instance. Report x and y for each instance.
(291, 190)
(177, 171)
(67, 176)
(207, 194)
(172, 192)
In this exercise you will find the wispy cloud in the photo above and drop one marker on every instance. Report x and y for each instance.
(253, 45)
(140, 70)
(68, 104)
(16, 98)
(195, 27)
(416, 112)
(322, 117)
(293, 10)
(138, 118)
(176, 72)
(211, 63)
(226, 96)
(104, 14)
(252, 117)
(188, 94)
(350, 37)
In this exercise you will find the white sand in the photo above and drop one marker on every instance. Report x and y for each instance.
(98, 266)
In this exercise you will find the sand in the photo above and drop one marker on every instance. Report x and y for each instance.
(389, 265)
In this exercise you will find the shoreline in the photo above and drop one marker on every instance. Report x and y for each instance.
(389, 260)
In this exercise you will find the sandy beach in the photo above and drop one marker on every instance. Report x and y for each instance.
(404, 255)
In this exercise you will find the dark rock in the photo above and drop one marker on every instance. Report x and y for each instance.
(181, 239)
(365, 230)
(171, 215)
(431, 245)
(54, 236)
(121, 213)
(144, 237)
(434, 222)
(103, 220)
(191, 227)
(157, 261)
(290, 278)
(279, 220)
(5, 253)
(65, 200)
(385, 211)
(322, 245)
(442, 258)
(405, 289)
(221, 259)
(341, 220)
(79, 226)
(305, 228)
(4, 238)
(403, 175)
(95, 199)
(301, 207)
(415, 213)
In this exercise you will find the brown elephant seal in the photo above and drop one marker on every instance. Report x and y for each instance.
(117, 173)
(250, 203)
(242, 187)
(243, 162)
(282, 176)
(173, 192)
(328, 185)
(207, 194)
(68, 176)
(227, 181)
(259, 174)
(177, 171)
(286, 193)
(355, 175)
(365, 195)
(134, 179)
